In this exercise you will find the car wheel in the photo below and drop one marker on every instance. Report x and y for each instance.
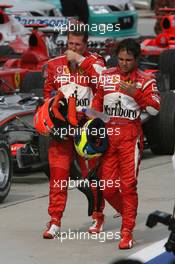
(5, 170)
(167, 66)
(160, 130)
(33, 82)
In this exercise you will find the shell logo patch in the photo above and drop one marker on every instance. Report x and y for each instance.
(116, 78)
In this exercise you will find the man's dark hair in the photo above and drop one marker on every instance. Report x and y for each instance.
(78, 29)
(131, 46)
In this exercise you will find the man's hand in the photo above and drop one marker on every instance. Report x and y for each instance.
(73, 56)
(130, 88)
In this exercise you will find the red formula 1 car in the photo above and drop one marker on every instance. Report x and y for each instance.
(25, 73)
(153, 47)
(166, 39)
(22, 54)
(14, 35)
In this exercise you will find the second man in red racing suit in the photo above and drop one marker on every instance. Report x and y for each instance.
(123, 93)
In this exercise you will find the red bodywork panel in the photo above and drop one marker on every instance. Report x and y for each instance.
(34, 55)
(32, 60)
(15, 147)
(165, 40)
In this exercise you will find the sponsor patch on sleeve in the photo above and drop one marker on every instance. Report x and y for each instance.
(109, 88)
(156, 98)
(154, 87)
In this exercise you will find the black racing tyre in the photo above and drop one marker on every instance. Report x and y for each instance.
(167, 66)
(33, 82)
(160, 130)
(150, 131)
(5, 170)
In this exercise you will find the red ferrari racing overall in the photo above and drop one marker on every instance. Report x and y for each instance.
(71, 80)
(121, 160)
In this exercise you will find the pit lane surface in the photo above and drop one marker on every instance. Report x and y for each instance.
(24, 214)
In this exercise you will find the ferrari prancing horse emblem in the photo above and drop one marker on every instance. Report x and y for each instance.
(17, 79)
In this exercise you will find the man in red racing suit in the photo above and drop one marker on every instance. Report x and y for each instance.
(123, 93)
(65, 74)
